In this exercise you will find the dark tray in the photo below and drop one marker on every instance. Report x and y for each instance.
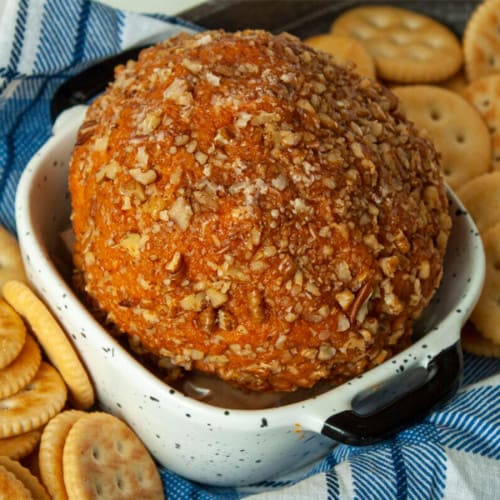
(302, 18)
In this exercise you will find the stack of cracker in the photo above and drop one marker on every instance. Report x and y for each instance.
(67, 453)
(450, 88)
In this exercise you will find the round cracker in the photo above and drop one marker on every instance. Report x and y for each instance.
(345, 49)
(11, 263)
(407, 47)
(34, 486)
(475, 343)
(51, 452)
(17, 447)
(21, 371)
(54, 341)
(481, 41)
(484, 95)
(11, 487)
(486, 314)
(481, 198)
(454, 125)
(12, 334)
(102, 456)
(33, 405)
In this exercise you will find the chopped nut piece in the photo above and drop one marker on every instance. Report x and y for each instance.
(193, 301)
(181, 212)
(225, 320)
(216, 298)
(143, 177)
(150, 122)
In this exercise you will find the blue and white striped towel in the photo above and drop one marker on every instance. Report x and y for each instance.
(454, 453)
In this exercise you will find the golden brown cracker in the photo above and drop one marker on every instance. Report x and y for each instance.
(11, 263)
(475, 343)
(54, 341)
(26, 477)
(102, 456)
(454, 125)
(33, 405)
(481, 198)
(484, 94)
(17, 447)
(486, 314)
(12, 334)
(21, 371)
(51, 452)
(481, 41)
(407, 47)
(345, 49)
(11, 487)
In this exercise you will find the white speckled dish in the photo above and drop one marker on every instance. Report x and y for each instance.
(235, 447)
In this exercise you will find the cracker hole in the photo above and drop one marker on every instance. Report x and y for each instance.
(446, 171)
(496, 265)
(139, 476)
(120, 483)
(119, 447)
(96, 453)
(492, 61)
(435, 115)
(460, 138)
(485, 103)
(98, 488)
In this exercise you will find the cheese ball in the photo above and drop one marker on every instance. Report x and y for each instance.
(244, 207)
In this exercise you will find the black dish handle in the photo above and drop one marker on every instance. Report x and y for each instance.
(352, 428)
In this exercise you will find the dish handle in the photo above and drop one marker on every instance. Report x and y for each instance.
(360, 427)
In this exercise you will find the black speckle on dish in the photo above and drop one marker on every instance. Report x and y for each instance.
(219, 474)
(83, 335)
(152, 398)
(188, 415)
(258, 461)
(226, 412)
(243, 451)
(402, 368)
(172, 391)
(424, 346)
(263, 422)
(177, 446)
(157, 436)
(459, 211)
(119, 405)
(459, 311)
(73, 335)
(394, 361)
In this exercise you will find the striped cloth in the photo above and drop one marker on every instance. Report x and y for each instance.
(454, 453)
